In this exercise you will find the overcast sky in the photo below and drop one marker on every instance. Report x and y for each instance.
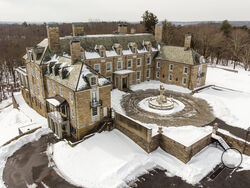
(123, 10)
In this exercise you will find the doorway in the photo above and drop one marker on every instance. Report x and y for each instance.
(124, 83)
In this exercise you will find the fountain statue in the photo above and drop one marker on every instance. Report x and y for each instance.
(161, 102)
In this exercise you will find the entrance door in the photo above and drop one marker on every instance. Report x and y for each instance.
(124, 83)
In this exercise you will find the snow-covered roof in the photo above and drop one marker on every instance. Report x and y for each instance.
(56, 101)
(123, 71)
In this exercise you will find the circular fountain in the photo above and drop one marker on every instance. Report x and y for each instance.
(161, 102)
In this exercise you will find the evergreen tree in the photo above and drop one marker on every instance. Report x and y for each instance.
(149, 21)
(226, 28)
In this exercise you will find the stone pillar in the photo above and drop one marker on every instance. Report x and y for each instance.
(215, 128)
(122, 28)
(132, 30)
(53, 38)
(77, 29)
(158, 33)
(187, 42)
(75, 51)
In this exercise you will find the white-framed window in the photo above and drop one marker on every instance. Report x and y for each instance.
(60, 91)
(171, 67)
(71, 97)
(72, 113)
(97, 68)
(129, 63)
(93, 81)
(48, 84)
(134, 50)
(119, 65)
(53, 87)
(184, 81)
(157, 74)
(102, 53)
(138, 62)
(119, 51)
(185, 70)
(26, 81)
(148, 60)
(94, 111)
(138, 75)
(158, 64)
(148, 73)
(108, 66)
(36, 73)
(38, 90)
(109, 78)
(170, 77)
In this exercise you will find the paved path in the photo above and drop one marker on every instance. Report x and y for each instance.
(158, 179)
(30, 165)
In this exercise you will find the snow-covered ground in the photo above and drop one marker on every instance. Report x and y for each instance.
(8, 150)
(110, 159)
(232, 106)
(11, 119)
(154, 84)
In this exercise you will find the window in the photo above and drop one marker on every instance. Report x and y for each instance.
(32, 71)
(26, 81)
(129, 63)
(94, 111)
(60, 91)
(170, 77)
(108, 66)
(148, 73)
(158, 64)
(93, 81)
(134, 50)
(184, 81)
(48, 84)
(148, 60)
(36, 72)
(119, 51)
(31, 57)
(138, 62)
(97, 68)
(157, 74)
(94, 96)
(119, 65)
(53, 87)
(72, 112)
(34, 89)
(102, 53)
(71, 97)
(185, 70)
(171, 67)
(38, 90)
(138, 75)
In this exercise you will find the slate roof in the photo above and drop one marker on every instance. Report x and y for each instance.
(179, 55)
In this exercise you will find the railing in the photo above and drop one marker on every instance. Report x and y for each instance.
(94, 104)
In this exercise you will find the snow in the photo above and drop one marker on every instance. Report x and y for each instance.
(11, 119)
(102, 81)
(29, 127)
(127, 52)
(154, 84)
(110, 159)
(231, 100)
(221, 140)
(178, 106)
(56, 115)
(111, 53)
(187, 135)
(54, 102)
(123, 72)
(92, 55)
(10, 149)
(82, 83)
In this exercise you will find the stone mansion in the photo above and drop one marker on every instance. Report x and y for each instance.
(69, 79)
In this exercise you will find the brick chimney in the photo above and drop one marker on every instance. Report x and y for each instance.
(53, 38)
(122, 28)
(187, 42)
(158, 33)
(132, 30)
(75, 51)
(77, 29)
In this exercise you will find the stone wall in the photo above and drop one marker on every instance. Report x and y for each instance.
(182, 152)
(235, 143)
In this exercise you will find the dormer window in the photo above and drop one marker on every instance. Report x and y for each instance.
(134, 50)
(148, 45)
(93, 81)
(102, 53)
(31, 55)
(119, 51)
